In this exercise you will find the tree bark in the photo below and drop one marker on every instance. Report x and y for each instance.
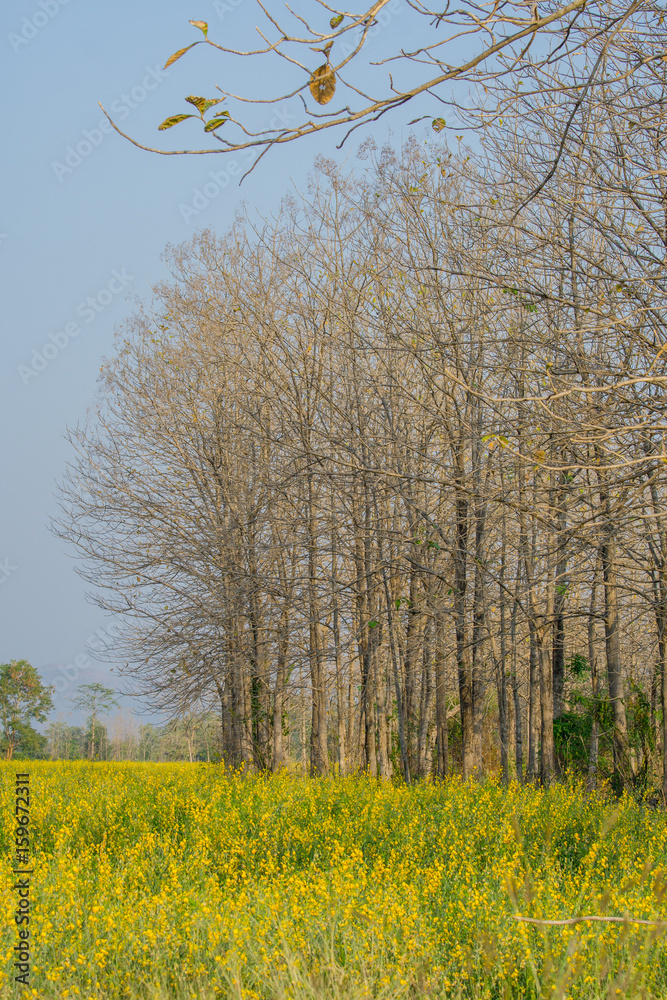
(613, 640)
(464, 670)
(442, 733)
(560, 597)
(593, 755)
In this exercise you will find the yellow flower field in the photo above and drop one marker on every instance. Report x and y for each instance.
(184, 880)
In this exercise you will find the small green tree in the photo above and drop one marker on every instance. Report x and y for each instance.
(96, 699)
(23, 698)
(32, 745)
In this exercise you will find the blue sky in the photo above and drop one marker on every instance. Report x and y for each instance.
(83, 224)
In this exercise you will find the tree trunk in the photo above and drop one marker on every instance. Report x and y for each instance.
(340, 680)
(662, 647)
(545, 636)
(412, 659)
(442, 734)
(534, 705)
(464, 669)
(319, 756)
(559, 603)
(478, 633)
(516, 693)
(395, 661)
(547, 763)
(380, 670)
(278, 760)
(425, 703)
(501, 672)
(613, 649)
(593, 754)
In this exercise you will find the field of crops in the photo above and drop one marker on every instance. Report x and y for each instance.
(180, 880)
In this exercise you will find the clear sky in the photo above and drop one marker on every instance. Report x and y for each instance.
(83, 222)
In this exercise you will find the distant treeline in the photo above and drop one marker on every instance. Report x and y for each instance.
(194, 738)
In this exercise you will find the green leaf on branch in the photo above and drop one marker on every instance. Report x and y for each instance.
(438, 124)
(177, 55)
(202, 25)
(493, 438)
(335, 21)
(199, 103)
(216, 122)
(211, 101)
(578, 665)
(174, 120)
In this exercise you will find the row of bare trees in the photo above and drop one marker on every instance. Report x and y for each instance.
(399, 454)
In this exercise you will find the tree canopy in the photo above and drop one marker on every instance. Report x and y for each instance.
(23, 699)
(97, 700)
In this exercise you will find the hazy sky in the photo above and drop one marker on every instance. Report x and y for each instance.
(83, 223)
